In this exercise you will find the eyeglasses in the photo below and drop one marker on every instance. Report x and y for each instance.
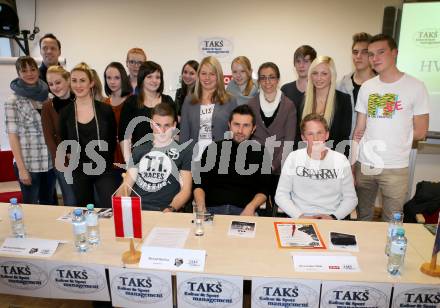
(134, 62)
(267, 78)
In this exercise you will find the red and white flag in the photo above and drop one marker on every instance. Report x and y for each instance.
(127, 215)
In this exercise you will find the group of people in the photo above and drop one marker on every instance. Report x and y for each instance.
(314, 147)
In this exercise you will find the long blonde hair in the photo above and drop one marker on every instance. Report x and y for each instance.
(310, 95)
(220, 95)
(58, 69)
(244, 61)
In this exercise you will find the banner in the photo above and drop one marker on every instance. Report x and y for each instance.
(203, 290)
(140, 288)
(416, 295)
(280, 292)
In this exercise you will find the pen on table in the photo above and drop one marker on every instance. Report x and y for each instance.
(293, 229)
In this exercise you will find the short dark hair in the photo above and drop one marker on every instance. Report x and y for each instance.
(147, 68)
(126, 88)
(269, 65)
(361, 37)
(51, 36)
(303, 51)
(243, 110)
(314, 117)
(164, 110)
(25, 61)
(384, 37)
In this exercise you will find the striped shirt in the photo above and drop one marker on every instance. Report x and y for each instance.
(24, 120)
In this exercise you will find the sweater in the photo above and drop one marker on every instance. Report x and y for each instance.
(235, 90)
(227, 186)
(282, 128)
(316, 186)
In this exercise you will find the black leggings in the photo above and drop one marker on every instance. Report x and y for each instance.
(85, 185)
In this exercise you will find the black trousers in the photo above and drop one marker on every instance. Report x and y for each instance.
(85, 185)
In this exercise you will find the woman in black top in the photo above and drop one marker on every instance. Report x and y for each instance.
(188, 81)
(321, 97)
(134, 126)
(91, 124)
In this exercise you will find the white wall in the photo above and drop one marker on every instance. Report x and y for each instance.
(99, 31)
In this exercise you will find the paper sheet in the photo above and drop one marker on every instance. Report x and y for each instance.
(167, 237)
(29, 247)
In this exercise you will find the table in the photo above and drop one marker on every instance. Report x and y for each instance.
(255, 257)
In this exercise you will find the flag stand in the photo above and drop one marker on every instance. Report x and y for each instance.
(431, 269)
(131, 256)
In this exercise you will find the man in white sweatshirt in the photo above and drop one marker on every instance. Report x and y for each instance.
(316, 182)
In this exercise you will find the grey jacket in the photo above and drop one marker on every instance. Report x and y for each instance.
(190, 120)
(234, 89)
(346, 86)
(283, 128)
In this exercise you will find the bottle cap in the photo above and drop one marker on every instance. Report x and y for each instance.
(78, 212)
(400, 232)
(397, 216)
(13, 200)
(90, 206)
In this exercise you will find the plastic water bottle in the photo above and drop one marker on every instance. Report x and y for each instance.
(396, 258)
(16, 217)
(92, 225)
(79, 230)
(395, 223)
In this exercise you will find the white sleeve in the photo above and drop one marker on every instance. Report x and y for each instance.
(283, 194)
(421, 105)
(349, 199)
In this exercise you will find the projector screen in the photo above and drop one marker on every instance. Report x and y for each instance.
(419, 50)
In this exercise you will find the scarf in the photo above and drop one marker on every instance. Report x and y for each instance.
(38, 92)
(269, 108)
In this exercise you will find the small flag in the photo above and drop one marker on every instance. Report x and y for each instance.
(127, 216)
(437, 239)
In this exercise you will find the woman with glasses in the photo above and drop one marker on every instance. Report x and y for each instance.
(321, 97)
(275, 116)
(92, 125)
(242, 86)
(135, 57)
(189, 77)
(134, 126)
(205, 113)
(32, 165)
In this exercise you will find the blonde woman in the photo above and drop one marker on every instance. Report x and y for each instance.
(242, 86)
(58, 80)
(206, 112)
(321, 97)
(92, 124)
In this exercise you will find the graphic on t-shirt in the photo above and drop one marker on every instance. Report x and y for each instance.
(384, 106)
(319, 174)
(206, 112)
(154, 170)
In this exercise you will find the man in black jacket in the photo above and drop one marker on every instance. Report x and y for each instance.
(232, 179)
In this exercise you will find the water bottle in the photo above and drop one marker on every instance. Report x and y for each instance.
(16, 217)
(395, 223)
(396, 258)
(79, 230)
(92, 225)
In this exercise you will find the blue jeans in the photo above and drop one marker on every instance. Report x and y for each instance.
(42, 189)
(66, 189)
(227, 209)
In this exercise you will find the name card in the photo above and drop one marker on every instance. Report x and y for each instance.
(280, 292)
(29, 247)
(416, 295)
(172, 259)
(344, 294)
(24, 277)
(204, 290)
(78, 281)
(140, 288)
(325, 263)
